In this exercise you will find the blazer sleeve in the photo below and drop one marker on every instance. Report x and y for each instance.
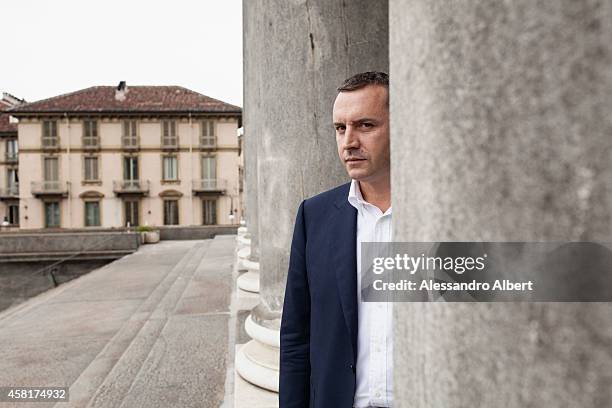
(294, 381)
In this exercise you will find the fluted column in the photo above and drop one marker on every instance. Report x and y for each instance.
(296, 54)
(501, 132)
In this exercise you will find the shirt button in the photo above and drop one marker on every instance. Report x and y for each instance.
(352, 367)
(378, 395)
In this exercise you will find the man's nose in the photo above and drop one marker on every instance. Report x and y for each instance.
(351, 139)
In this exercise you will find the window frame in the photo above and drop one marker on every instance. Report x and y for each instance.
(215, 212)
(59, 210)
(96, 180)
(90, 133)
(208, 126)
(132, 127)
(49, 133)
(92, 201)
(163, 168)
(167, 201)
(169, 132)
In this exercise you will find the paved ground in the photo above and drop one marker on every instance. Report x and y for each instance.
(148, 330)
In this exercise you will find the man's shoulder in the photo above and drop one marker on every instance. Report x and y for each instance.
(336, 195)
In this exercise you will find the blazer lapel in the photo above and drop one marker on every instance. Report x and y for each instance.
(344, 233)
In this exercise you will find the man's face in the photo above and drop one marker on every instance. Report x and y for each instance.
(361, 119)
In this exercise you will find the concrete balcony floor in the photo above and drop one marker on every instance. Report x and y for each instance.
(151, 329)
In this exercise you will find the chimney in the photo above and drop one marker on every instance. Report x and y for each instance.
(121, 91)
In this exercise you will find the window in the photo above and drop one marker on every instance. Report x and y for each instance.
(171, 212)
(170, 168)
(90, 133)
(13, 213)
(209, 212)
(52, 214)
(92, 213)
(11, 150)
(169, 134)
(91, 168)
(12, 180)
(207, 138)
(49, 137)
(130, 134)
(51, 173)
(209, 167)
(130, 168)
(132, 212)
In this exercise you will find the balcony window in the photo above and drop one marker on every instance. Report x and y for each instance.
(130, 134)
(209, 168)
(90, 134)
(92, 213)
(11, 150)
(12, 180)
(207, 137)
(130, 168)
(49, 136)
(51, 169)
(170, 168)
(169, 138)
(90, 164)
(171, 216)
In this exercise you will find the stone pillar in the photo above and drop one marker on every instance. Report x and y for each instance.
(296, 54)
(501, 132)
(249, 254)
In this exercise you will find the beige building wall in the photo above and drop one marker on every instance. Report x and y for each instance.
(110, 161)
(5, 165)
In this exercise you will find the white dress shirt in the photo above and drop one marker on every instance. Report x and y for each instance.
(375, 335)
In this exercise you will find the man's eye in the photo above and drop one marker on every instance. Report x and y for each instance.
(340, 128)
(367, 125)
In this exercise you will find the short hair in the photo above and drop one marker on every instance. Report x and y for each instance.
(364, 79)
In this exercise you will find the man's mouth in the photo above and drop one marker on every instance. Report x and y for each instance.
(353, 159)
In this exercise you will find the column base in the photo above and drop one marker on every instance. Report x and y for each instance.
(258, 364)
(249, 281)
(258, 360)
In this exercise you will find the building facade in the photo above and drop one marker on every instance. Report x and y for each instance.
(9, 164)
(107, 157)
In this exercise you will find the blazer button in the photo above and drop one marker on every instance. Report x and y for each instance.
(352, 367)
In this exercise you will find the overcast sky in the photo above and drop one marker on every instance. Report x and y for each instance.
(54, 47)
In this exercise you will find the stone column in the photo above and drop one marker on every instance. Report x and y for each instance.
(249, 254)
(501, 132)
(296, 54)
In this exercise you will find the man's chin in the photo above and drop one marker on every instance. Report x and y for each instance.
(358, 175)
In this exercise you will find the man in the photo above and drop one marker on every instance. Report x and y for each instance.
(335, 350)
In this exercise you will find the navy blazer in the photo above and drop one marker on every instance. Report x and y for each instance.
(318, 337)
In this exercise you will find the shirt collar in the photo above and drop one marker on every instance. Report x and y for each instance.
(354, 196)
(356, 199)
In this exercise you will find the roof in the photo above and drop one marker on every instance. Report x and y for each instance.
(5, 125)
(138, 99)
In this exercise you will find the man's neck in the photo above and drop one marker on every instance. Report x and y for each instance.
(377, 193)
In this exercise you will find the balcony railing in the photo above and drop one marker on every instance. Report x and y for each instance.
(91, 142)
(170, 143)
(54, 187)
(209, 185)
(131, 186)
(129, 142)
(208, 141)
(12, 191)
(50, 142)
(12, 157)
